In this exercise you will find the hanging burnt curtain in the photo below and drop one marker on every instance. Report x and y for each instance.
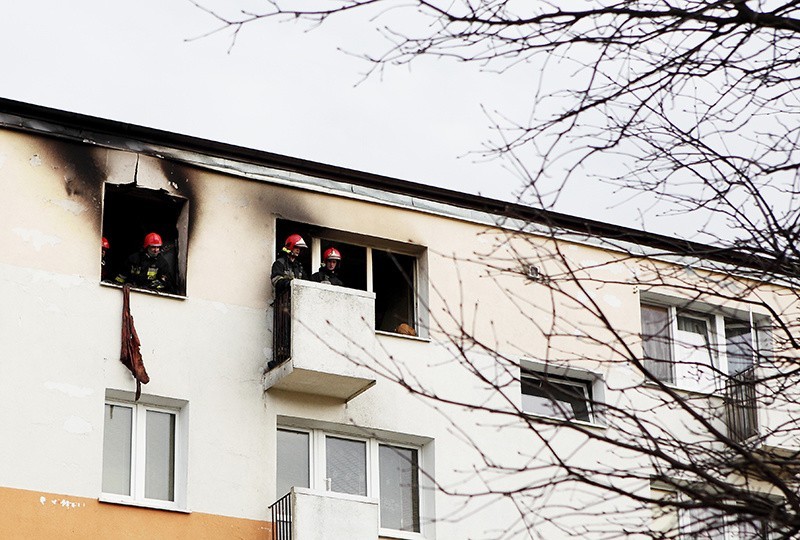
(130, 355)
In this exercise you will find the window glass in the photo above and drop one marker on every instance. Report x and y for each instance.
(346, 465)
(749, 530)
(656, 342)
(117, 435)
(694, 326)
(738, 345)
(557, 398)
(293, 462)
(160, 456)
(399, 488)
(705, 524)
(693, 353)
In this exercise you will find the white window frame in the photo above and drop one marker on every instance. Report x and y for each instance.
(583, 387)
(592, 383)
(317, 469)
(138, 452)
(715, 318)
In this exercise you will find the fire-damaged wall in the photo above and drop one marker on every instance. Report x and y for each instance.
(60, 335)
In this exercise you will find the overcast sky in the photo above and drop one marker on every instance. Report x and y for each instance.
(280, 88)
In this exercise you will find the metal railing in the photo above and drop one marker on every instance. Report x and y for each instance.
(282, 518)
(741, 404)
(282, 325)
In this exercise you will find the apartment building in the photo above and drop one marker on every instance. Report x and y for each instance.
(488, 371)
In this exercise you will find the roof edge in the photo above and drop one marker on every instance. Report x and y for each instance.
(96, 125)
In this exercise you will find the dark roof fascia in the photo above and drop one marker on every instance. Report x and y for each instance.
(89, 125)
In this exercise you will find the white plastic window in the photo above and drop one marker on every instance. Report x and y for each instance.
(365, 467)
(140, 454)
(694, 350)
(556, 397)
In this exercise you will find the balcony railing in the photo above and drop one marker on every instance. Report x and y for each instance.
(306, 514)
(741, 404)
(282, 325)
(282, 518)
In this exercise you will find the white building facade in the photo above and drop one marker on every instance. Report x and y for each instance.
(474, 357)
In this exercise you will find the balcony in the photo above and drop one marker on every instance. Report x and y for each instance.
(769, 432)
(305, 514)
(323, 341)
(741, 405)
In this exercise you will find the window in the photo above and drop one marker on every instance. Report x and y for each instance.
(293, 460)
(366, 467)
(394, 283)
(711, 524)
(389, 269)
(399, 487)
(559, 397)
(672, 520)
(703, 524)
(691, 348)
(130, 213)
(141, 455)
(346, 465)
(739, 345)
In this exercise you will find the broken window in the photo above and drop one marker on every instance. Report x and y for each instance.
(129, 214)
(393, 281)
(389, 269)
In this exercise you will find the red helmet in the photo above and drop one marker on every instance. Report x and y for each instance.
(293, 241)
(332, 254)
(152, 239)
(106, 245)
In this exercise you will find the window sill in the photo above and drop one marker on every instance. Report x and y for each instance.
(719, 394)
(393, 534)
(402, 336)
(150, 504)
(145, 291)
(560, 421)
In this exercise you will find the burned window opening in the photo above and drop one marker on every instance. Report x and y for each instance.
(366, 265)
(129, 214)
(352, 269)
(393, 280)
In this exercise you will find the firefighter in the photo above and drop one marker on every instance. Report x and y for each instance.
(148, 268)
(331, 260)
(287, 267)
(105, 268)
